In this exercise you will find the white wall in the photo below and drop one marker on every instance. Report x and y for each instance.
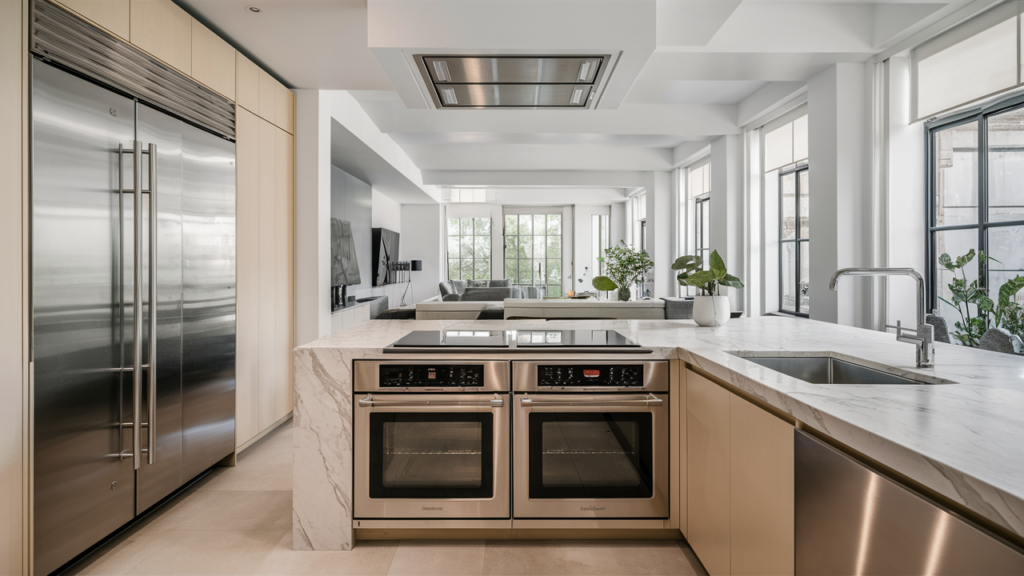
(422, 233)
(905, 196)
(840, 207)
(312, 215)
(661, 226)
(386, 213)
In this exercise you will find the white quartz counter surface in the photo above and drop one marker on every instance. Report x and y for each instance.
(963, 440)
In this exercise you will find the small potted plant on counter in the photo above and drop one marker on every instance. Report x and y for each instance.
(625, 266)
(710, 308)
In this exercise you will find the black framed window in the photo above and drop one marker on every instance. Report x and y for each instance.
(976, 197)
(794, 239)
(591, 455)
(420, 455)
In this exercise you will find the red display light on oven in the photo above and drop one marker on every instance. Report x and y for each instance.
(591, 373)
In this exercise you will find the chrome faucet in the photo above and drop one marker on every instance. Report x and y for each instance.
(924, 337)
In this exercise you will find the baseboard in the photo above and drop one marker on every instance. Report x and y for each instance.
(262, 434)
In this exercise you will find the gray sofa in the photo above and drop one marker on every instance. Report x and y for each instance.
(496, 290)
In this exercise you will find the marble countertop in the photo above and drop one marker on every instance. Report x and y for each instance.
(964, 440)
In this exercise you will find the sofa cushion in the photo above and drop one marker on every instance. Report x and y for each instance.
(451, 298)
(486, 294)
(499, 283)
(460, 286)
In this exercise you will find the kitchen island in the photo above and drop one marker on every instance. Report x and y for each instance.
(960, 441)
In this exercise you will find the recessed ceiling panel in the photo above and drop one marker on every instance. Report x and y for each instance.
(512, 81)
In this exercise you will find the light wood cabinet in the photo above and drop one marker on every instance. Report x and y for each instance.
(247, 83)
(163, 30)
(284, 110)
(247, 262)
(284, 272)
(112, 15)
(268, 283)
(740, 488)
(268, 97)
(213, 61)
(762, 491)
(707, 472)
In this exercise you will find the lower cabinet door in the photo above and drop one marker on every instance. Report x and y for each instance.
(761, 486)
(707, 472)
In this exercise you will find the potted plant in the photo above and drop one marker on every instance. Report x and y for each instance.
(1006, 312)
(625, 266)
(710, 308)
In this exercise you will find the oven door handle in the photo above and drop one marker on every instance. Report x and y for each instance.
(496, 402)
(648, 400)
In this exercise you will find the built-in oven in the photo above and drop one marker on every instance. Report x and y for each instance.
(590, 439)
(431, 439)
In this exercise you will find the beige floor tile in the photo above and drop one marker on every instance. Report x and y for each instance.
(366, 559)
(436, 558)
(120, 555)
(252, 477)
(539, 558)
(276, 448)
(229, 510)
(205, 552)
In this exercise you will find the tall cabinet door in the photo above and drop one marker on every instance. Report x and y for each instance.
(268, 278)
(163, 476)
(208, 329)
(284, 274)
(83, 488)
(247, 363)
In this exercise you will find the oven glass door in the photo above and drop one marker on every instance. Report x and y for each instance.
(430, 455)
(591, 455)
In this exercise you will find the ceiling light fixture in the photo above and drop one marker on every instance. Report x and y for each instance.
(448, 95)
(253, 9)
(441, 70)
(584, 69)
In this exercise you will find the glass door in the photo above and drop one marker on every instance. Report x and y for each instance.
(431, 455)
(591, 455)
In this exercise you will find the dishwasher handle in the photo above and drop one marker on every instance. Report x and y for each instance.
(647, 400)
(370, 401)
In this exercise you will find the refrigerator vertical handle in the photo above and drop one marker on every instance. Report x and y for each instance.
(120, 289)
(137, 307)
(151, 373)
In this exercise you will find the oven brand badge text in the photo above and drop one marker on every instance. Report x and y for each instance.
(591, 508)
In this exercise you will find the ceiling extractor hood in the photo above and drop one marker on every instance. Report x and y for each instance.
(512, 81)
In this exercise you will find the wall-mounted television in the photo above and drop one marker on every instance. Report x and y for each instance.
(385, 254)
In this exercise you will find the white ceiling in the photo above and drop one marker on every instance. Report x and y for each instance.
(686, 71)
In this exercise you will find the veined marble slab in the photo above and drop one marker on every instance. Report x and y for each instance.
(963, 440)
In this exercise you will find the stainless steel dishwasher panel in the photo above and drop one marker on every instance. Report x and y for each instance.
(852, 520)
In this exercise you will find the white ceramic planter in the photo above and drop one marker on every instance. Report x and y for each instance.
(711, 310)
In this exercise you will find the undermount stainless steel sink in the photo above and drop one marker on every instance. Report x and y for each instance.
(826, 368)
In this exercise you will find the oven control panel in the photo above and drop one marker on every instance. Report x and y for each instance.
(431, 376)
(588, 375)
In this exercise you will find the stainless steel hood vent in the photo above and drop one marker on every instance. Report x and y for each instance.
(512, 81)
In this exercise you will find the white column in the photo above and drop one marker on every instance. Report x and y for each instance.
(840, 193)
(312, 215)
(904, 195)
(727, 226)
(660, 224)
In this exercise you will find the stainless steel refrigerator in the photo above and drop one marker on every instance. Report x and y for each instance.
(133, 308)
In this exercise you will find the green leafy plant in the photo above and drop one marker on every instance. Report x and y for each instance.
(1006, 312)
(624, 266)
(709, 281)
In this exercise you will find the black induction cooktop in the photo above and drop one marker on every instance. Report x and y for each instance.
(512, 339)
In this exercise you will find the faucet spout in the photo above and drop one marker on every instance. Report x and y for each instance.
(924, 338)
(833, 284)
